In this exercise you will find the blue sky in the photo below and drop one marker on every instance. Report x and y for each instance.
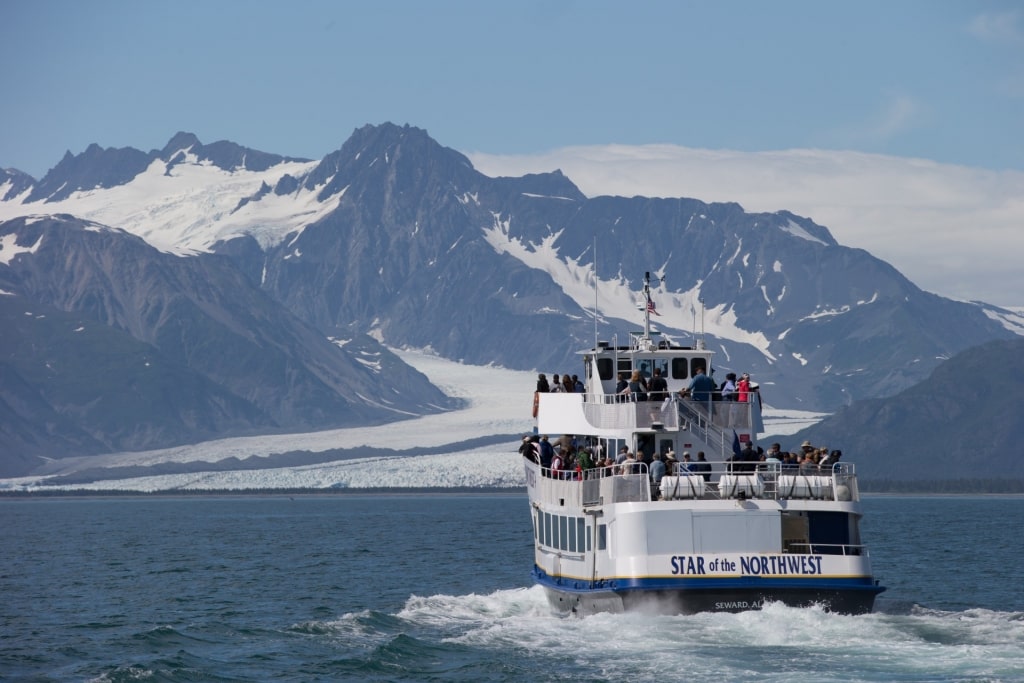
(941, 81)
(937, 80)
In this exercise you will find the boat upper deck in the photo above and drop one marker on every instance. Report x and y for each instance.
(631, 482)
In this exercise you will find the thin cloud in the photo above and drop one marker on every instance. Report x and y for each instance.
(952, 230)
(899, 114)
(998, 27)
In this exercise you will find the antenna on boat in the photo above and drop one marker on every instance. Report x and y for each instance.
(595, 293)
(649, 306)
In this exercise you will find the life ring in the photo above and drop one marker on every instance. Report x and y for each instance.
(536, 402)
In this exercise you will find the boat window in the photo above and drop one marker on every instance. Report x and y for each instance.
(626, 366)
(698, 364)
(644, 366)
(680, 368)
(602, 536)
(566, 533)
(606, 368)
(829, 532)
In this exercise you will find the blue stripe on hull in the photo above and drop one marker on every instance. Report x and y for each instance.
(690, 595)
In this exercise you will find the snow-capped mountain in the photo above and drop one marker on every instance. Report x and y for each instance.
(109, 344)
(398, 238)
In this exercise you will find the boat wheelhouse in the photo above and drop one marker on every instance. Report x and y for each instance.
(727, 535)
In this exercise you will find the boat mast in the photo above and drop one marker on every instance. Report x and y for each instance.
(595, 293)
(647, 309)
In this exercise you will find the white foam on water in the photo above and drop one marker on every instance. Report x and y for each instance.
(777, 643)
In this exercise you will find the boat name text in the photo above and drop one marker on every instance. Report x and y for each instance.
(747, 565)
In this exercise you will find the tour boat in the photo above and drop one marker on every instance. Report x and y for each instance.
(743, 534)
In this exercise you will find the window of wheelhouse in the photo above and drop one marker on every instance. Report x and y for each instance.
(680, 368)
(646, 366)
(605, 368)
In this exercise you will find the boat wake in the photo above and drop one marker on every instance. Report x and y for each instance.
(774, 643)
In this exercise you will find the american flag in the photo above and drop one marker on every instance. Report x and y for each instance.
(650, 307)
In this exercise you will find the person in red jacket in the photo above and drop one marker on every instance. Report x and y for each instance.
(743, 388)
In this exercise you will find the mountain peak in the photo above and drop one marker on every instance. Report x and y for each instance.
(223, 154)
(16, 182)
(180, 141)
(385, 149)
(96, 167)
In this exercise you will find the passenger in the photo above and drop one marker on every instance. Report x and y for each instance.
(729, 387)
(628, 465)
(571, 466)
(622, 388)
(701, 387)
(670, 462)
(623, 455)
(568, 386)
(687, 465)
(702, 466)
(584, 459)
(637, 387)
(743, 389)
(547, 452)
(556, 385)
(826, 463)
(808, 465)
(557, 464)
(578, 385)
(542, 384)
(659, 386)
(657, 472)
(745, 460)
(528, 450)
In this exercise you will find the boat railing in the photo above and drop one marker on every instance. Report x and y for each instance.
(618, 411)
(630, 482)
(764, 480)
(625, 483)
(825, 548)
(697, 418)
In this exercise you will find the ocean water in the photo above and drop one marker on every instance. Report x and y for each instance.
(436, 588)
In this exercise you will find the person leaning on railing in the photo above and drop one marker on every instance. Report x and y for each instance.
(701, 387)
